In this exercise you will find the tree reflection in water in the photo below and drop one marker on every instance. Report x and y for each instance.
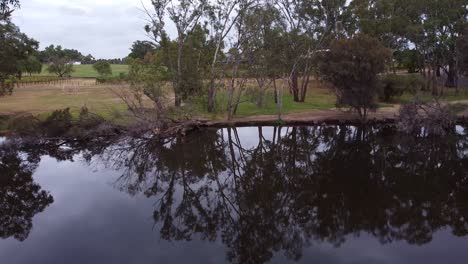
(289, 189)
(297, 186)
(20, 197)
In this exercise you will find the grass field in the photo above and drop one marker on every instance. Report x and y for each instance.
(43, 99)
(87, 71)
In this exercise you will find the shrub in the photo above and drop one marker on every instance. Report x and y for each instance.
(58, 123)
(431, 118)
(112, 79)
(24, 125)
(393, 85)
(352, 66)
(103, 68)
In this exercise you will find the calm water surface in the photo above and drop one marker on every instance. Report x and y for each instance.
(329, 194)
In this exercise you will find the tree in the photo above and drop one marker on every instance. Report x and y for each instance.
(15, 47)
(61, 67)
(88, 59)
(103, 68)
(222, 17)
(147, 78)
(7, 7)
(462, 48)
(60, 60)
(263, 58)
(20, 197)
(185, 14)
(140, 49)
(52, 52)
(30, 65)
(352, 67)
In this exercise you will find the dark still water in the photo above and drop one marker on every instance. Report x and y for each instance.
(325, 194)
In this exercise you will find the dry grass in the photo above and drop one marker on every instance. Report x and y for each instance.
(38, 99)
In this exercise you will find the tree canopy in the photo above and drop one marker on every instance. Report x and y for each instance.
(16, 47)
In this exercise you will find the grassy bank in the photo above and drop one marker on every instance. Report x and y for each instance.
(87, 71)
(99, 99)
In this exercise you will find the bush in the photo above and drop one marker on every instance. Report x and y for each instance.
(352, 66)
(112, 79)
(88, 120)
(6, 87)
(58, 123)
(24, 125)
(431, 118)
(393, 85)
(103, 68)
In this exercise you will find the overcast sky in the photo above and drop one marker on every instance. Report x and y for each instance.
(103, 28)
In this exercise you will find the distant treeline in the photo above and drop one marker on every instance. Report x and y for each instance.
(72, 55)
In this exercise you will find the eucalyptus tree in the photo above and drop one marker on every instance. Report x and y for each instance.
(309, 26)
(244, 36)
(386, 20)
(462, 46)
(7, 7)
(222, 17)
(263, 58)
(186, 15)
(436, 32)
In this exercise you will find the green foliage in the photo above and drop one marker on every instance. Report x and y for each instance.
(38, 79)
(103, 68)
(352, 66)
(393, 85)
(7, 86)
(51, 53)
(121, 78)
(195, 61)
(140, 49)
(26, 124)
(61, 67)
(410, 59)
(7, 7)
(14, 47)
(58, 123)
(30, 65)
(462, 48)
(148, 78)
(87, 71)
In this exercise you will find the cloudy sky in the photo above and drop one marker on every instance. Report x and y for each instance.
(104, 28)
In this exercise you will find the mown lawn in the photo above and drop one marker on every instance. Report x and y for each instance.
(87, 71)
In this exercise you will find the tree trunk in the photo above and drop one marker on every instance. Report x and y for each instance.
(276, 91)
(212, 88)
(435, 90)
(452, 76)
(304, 86)
(260, 98)
(177, 90)
(294, 86)
(211, 98)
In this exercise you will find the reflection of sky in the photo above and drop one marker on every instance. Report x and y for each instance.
(90, 221)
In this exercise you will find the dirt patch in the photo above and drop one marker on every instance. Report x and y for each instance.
(310, 117)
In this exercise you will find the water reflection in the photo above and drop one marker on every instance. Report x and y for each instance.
(269, 191)
(20, 197)
(297, 186)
